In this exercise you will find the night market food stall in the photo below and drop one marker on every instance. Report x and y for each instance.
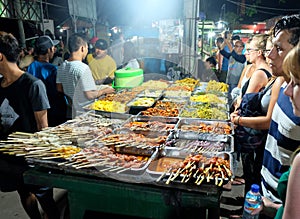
(158, 150)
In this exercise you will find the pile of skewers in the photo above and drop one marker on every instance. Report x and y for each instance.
(200, 146)
(57, 142)
(149, 126)
(31, 146)
(216, 128)
(105, 159)
(196, 169)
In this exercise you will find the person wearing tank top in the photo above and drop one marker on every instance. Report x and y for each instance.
(252, 159)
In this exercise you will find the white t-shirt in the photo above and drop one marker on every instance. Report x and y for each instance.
(76, 77)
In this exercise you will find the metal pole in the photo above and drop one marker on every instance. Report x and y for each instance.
(42, 17)
(20, 23)
(202, 30)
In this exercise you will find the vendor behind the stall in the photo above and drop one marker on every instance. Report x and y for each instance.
(102, 65)
(23, 108)
(74, 78)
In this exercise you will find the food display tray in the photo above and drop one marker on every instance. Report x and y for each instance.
(164, 119)
(149, 126)
(106, 114)
(135, 109)
(190, 112)
(133, 175)
(164, 168)
(175, 100)
(204, 129)
(177, 94)
(202, 146)
(223, 100)
(150, 93)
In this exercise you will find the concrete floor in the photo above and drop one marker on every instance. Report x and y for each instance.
(10, 206)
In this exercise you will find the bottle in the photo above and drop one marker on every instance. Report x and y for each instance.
(253, 201)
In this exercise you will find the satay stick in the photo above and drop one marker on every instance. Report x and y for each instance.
(91, 165)
(221, 182)
(53, 157)
(108, 168)
(73, 163)
(163, 174)
(34, 155)
(64, 163)
(195, 174)
(170, 177)
(216, 180)
(184, 175)
(117, 168)
(201, 178)
(227, 170)
(176, 174)
(189, 177)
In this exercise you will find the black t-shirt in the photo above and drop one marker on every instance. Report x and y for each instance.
(18, 102)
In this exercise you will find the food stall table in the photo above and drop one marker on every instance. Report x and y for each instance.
(147, 200)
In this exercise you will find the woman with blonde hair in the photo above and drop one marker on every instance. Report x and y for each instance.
(249, 145)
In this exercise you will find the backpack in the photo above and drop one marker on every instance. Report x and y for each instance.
(248, 138)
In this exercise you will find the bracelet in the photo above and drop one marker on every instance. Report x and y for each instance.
(238, 122)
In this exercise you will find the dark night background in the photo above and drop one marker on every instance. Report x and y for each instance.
(142, 12)
(126, 12)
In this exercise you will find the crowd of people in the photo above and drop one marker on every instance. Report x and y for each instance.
(262, 76)
(267, 138)
(45, 87)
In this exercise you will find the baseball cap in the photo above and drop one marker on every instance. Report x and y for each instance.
(45, 42)
(235, 37)
(101, 44)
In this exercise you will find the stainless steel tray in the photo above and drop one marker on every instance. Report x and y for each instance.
(150, 126)
(171, 169)
(202, 146)
(113, 115)
(141, 117)
(150, 93)
(213, 129)
(213, 114)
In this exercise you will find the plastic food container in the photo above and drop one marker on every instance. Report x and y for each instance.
(128, 78)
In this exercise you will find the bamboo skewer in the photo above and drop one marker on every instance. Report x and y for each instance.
(163, 174)
(92, 164)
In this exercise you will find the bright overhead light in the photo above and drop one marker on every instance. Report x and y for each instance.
(211, 34)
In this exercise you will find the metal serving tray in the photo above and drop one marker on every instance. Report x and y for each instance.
(113, 115)
(133, 175)
(175, 100)
(214, 129)
(141, 117)
(220, 106)
(150, 93)
(190, 112)
(135, 109)
(150, 126)
(162, 169)
(201, 146)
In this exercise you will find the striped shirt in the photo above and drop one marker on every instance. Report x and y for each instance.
(283, 139)
(76, 77)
